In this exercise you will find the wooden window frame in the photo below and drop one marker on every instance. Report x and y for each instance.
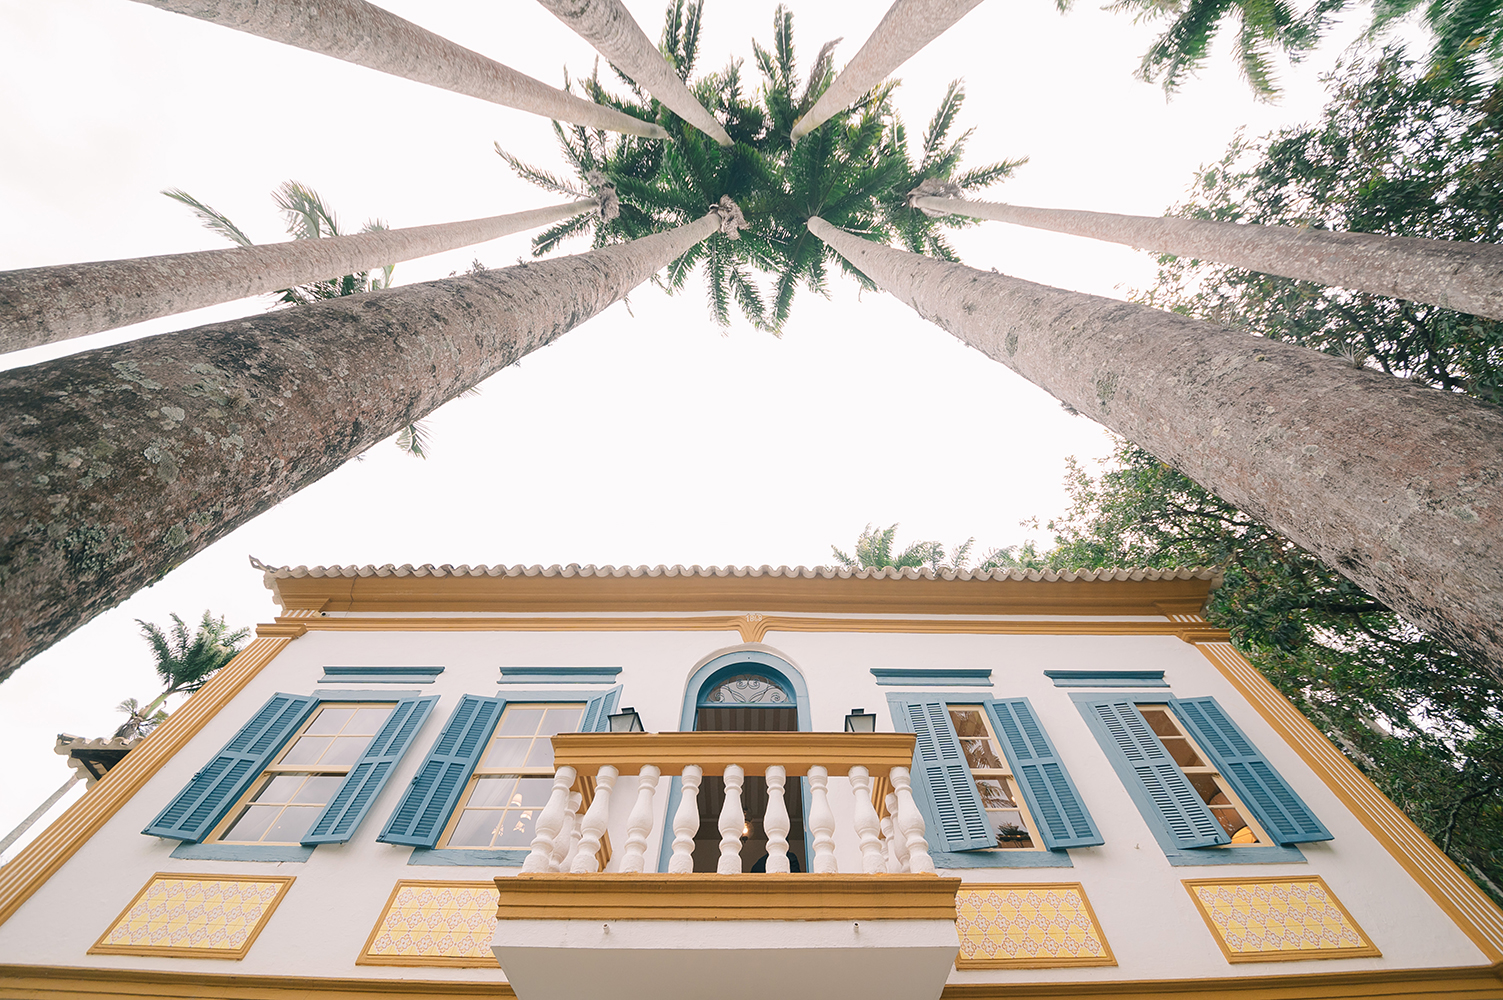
(1004, 772)
(1205, 768)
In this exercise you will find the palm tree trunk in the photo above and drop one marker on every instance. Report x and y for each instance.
(908, 26)
(42, 305)
(1392, 483)
(609, 26)
(122, 462)
(366, 35)
(1467, 277)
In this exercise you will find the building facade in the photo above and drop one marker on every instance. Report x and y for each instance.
(737, 783)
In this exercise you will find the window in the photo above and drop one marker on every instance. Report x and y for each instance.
(303, 779)
(1000, 796)
(513, 780)
(1213, 789)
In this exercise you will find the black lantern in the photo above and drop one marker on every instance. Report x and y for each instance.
(626, 721)
(859, 722)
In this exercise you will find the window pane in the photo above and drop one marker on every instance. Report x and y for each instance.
(474, 828)
(291, 825)
(1011, 831)
(346, 750)
(1182, 751)
(491, 791)
(1205, 786)
(367, 721)
(329, 721)
(532, 792)
(968, 722)
(564, 719)
(517, 827)
(541, 753)
(1234, 825)
(520, 722)
(279, 789)
(1159, 720)
(508, 752)
(307, 750)
(319, 788)
(995, 794)
(252, 823)
(981, 754)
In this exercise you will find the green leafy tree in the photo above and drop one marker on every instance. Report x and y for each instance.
(184, 661)
(855, 171)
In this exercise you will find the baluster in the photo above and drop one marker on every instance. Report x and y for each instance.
(897, 851)
(732, 820)
(910, 824)
(596, 819)
(822, 822)
(776, 822)
(686, 823)
(639, 823)
(867, 824)
(568, 836)
(568, 863)
(549, 822)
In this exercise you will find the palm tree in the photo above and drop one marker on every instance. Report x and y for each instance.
(123, 462)
(1390, 482)
(364, 34)
(46, 304)
(875, 550)
(1467, 277)
(184, 662)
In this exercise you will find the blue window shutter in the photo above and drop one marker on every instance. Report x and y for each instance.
(1184, 815)
(957, 820)
(214, 789)
(420, 817)
(1280, 812)
(1056, 806)
(337, 823)
(597, 714)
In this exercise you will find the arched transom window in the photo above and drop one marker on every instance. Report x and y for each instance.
(747, 689)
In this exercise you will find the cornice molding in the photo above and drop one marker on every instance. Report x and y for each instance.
(712, 751)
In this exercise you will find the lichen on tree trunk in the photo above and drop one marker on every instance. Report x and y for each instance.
(1394, 484)
(123, 462)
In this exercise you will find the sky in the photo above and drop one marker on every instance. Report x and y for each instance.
(647, 435)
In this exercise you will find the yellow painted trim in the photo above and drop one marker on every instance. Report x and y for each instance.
(46, 982)
(1369, 950)
(40, 860)
(755, 627)
(1041, 963)
(420, 961)
(1476, 914)
(282, 629)
(523, 594)
(756, 752)
(709, 896)
(103, 947)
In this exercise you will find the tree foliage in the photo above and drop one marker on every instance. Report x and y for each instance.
(855, 171)
(185, 660)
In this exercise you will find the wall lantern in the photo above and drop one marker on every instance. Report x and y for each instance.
(626, 721)
(859, 722)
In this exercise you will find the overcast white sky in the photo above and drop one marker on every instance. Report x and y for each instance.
(644, 436)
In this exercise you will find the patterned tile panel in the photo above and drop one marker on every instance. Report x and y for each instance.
(1037, 925)
(435, 923)
(194, 916)
(1278, 919)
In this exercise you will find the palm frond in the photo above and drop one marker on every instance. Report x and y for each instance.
(306, 214)
(413, 439)
(212, 220)
(538, 176)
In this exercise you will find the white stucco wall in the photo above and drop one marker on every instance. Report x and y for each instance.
(1144, 911)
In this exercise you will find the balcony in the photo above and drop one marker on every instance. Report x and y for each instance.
(882, 928)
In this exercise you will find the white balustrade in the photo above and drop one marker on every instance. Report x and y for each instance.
(868, 827)
(568, 836)
(897, 850)
(549, 822)
(821, 822)
(596, 819)
(639, 823)
(732, 822)
(776, 823)
(686, 823)
(910, 823)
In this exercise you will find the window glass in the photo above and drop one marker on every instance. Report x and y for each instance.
(1209, 785)
(1000, 797)
(281, 806)
(748, 689)
(511, 785)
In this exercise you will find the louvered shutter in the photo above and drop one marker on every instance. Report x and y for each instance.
(1187, 818)
(597, 714)
(1056, 806)
(337, 823)
(420, 817)
(957, 820)
(1280, 812)
(204, 801)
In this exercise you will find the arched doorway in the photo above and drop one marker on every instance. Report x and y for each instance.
(747, 690)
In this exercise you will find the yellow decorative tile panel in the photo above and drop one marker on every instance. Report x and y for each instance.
(1038, 925)
(194, 916)
(435, 923)
(1279, 918)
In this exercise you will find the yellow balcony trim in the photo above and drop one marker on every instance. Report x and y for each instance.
(708, 896)
(671, 752)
